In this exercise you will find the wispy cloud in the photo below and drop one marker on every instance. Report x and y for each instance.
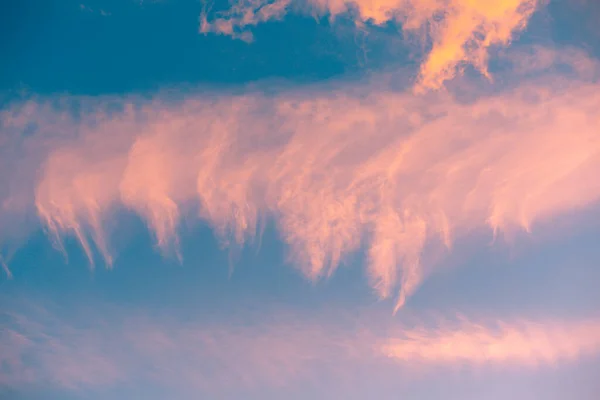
(5, 267)
(88, 9)
(456, 32)
(336, 169)
(130, 347)
(242, 15)
(526, 343)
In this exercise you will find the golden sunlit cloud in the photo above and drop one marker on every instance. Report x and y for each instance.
(457, 32)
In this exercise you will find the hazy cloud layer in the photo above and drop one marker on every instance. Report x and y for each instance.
(455, 32)
(93, 348)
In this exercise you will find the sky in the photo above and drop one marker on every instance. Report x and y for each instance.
(299, 199)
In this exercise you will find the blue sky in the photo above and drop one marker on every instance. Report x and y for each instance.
(344, 206)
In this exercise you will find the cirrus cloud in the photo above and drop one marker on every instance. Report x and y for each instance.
(337, 170)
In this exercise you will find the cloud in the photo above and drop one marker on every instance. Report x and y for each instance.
(97, 349)
(338, 169)
(525, 343)
(5, 267)
(245, 14)
(85, 8)
(456, 32)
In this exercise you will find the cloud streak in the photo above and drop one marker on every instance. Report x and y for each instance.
(129, 347)
(455, 32)
(526, 343)
(338, 171)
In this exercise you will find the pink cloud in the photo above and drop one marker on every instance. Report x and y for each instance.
(527, 343)
(335, 170)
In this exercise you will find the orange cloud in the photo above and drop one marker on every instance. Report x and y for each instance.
(458, 32)
(338, 171)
